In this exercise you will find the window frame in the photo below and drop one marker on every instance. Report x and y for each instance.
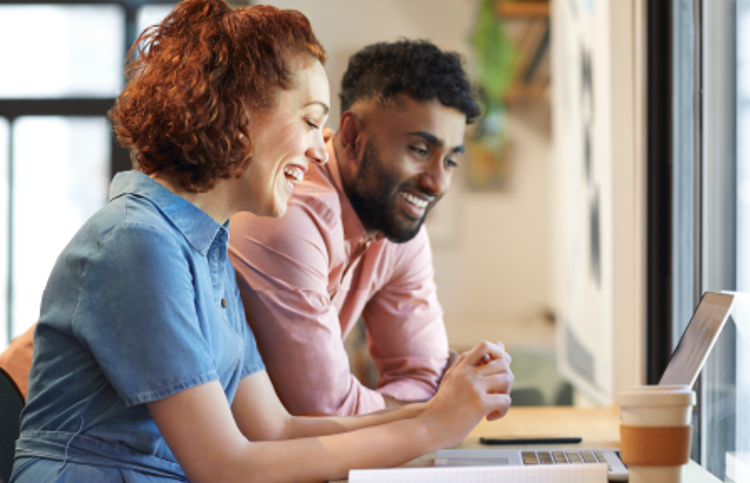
(12, 109)
(704, 194)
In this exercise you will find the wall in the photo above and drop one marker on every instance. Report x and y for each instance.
(599, 199)
(492, 250)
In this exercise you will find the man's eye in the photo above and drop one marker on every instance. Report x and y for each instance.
(452, 163)
(419, 151)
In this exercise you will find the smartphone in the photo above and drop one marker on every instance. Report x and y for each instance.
(532, 440)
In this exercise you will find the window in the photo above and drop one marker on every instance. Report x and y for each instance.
(57, 185)
(4, 213)
(67, 50)
(711, 193)
(57, 153)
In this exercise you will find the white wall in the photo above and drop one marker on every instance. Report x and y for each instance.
(599, 281)
(492, 250)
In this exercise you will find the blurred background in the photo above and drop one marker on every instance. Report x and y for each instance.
(604, 190)
(491, 233)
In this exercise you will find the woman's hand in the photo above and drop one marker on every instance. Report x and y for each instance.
(477, 385)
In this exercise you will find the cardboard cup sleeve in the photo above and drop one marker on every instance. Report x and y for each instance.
(654, 446)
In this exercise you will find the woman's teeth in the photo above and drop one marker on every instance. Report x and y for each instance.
(295, 173)
(419, 203)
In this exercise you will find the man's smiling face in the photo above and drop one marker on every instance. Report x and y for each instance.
(410, 151)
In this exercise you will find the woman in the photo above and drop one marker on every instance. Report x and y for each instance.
(144, 367)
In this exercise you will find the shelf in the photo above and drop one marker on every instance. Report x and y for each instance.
(527, 24)
(520, 9)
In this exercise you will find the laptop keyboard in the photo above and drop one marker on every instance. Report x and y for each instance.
(562, 457)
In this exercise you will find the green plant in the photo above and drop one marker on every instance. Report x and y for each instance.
(496, 56)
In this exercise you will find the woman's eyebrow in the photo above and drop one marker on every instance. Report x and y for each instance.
(322, 104)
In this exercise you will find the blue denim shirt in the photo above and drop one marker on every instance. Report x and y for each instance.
(140, 305)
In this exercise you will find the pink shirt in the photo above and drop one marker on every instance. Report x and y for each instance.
(306, 278)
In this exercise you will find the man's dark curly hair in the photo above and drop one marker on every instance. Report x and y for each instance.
(414, 67)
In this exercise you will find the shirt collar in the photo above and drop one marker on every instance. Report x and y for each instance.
(199, 229)
(353, 228)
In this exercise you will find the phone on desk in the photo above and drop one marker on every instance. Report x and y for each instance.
(531, 440)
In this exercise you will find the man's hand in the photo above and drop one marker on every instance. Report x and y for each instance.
(479, 383)
(452, 358)
(328, 133)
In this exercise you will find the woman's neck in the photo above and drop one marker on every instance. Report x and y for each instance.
(215, 202)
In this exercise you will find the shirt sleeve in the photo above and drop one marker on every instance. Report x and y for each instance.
(137, 315)
(404, 321)
(252, 361)
(16, 359)
(282, 271)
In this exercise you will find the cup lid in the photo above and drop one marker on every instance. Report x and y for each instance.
(673, 395)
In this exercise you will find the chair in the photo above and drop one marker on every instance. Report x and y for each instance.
(11, 403)
(537, 381)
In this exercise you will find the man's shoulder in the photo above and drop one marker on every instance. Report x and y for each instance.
(313, 221)
(406, 257)
(318, 192)
(315, 204)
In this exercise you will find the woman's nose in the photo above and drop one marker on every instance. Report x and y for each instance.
(317, 152)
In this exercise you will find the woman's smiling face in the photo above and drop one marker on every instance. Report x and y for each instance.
(287, 138)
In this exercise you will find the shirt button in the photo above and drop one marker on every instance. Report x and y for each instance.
(224, 303)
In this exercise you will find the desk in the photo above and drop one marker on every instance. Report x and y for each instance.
(599, 428)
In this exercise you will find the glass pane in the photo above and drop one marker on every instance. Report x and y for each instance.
(65, 51)
(720, 385)
(683, 66)
(151, 15)
(4, 151)
(57, 185)
(741, 457)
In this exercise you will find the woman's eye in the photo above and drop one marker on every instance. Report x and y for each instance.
(312, 124)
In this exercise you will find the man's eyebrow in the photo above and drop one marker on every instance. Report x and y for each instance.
(430, 138)
(435, 141)
(322, 104)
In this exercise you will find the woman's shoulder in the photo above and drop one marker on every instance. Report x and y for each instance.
(132, 220)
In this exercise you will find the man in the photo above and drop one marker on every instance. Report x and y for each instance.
(352, 243)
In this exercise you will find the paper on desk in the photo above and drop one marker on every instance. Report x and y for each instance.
(590, 473)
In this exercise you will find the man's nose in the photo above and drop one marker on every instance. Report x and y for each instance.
(435, 178)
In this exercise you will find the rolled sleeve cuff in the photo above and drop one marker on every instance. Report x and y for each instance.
(408, 390)
(369, 401)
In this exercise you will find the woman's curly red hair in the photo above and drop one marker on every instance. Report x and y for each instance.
(194, 81)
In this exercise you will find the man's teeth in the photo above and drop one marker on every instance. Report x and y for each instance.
(419, 203)
(295, 173)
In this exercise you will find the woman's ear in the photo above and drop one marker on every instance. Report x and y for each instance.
(350, 134)
(247, 141)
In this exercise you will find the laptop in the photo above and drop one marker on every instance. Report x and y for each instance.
(684, 366)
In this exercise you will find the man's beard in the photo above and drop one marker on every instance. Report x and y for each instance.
(374, 194)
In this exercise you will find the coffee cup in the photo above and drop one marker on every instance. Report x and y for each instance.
(655, 432)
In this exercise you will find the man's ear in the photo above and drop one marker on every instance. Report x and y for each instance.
(350, 130)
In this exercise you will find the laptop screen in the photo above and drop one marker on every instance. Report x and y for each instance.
(699, 337)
